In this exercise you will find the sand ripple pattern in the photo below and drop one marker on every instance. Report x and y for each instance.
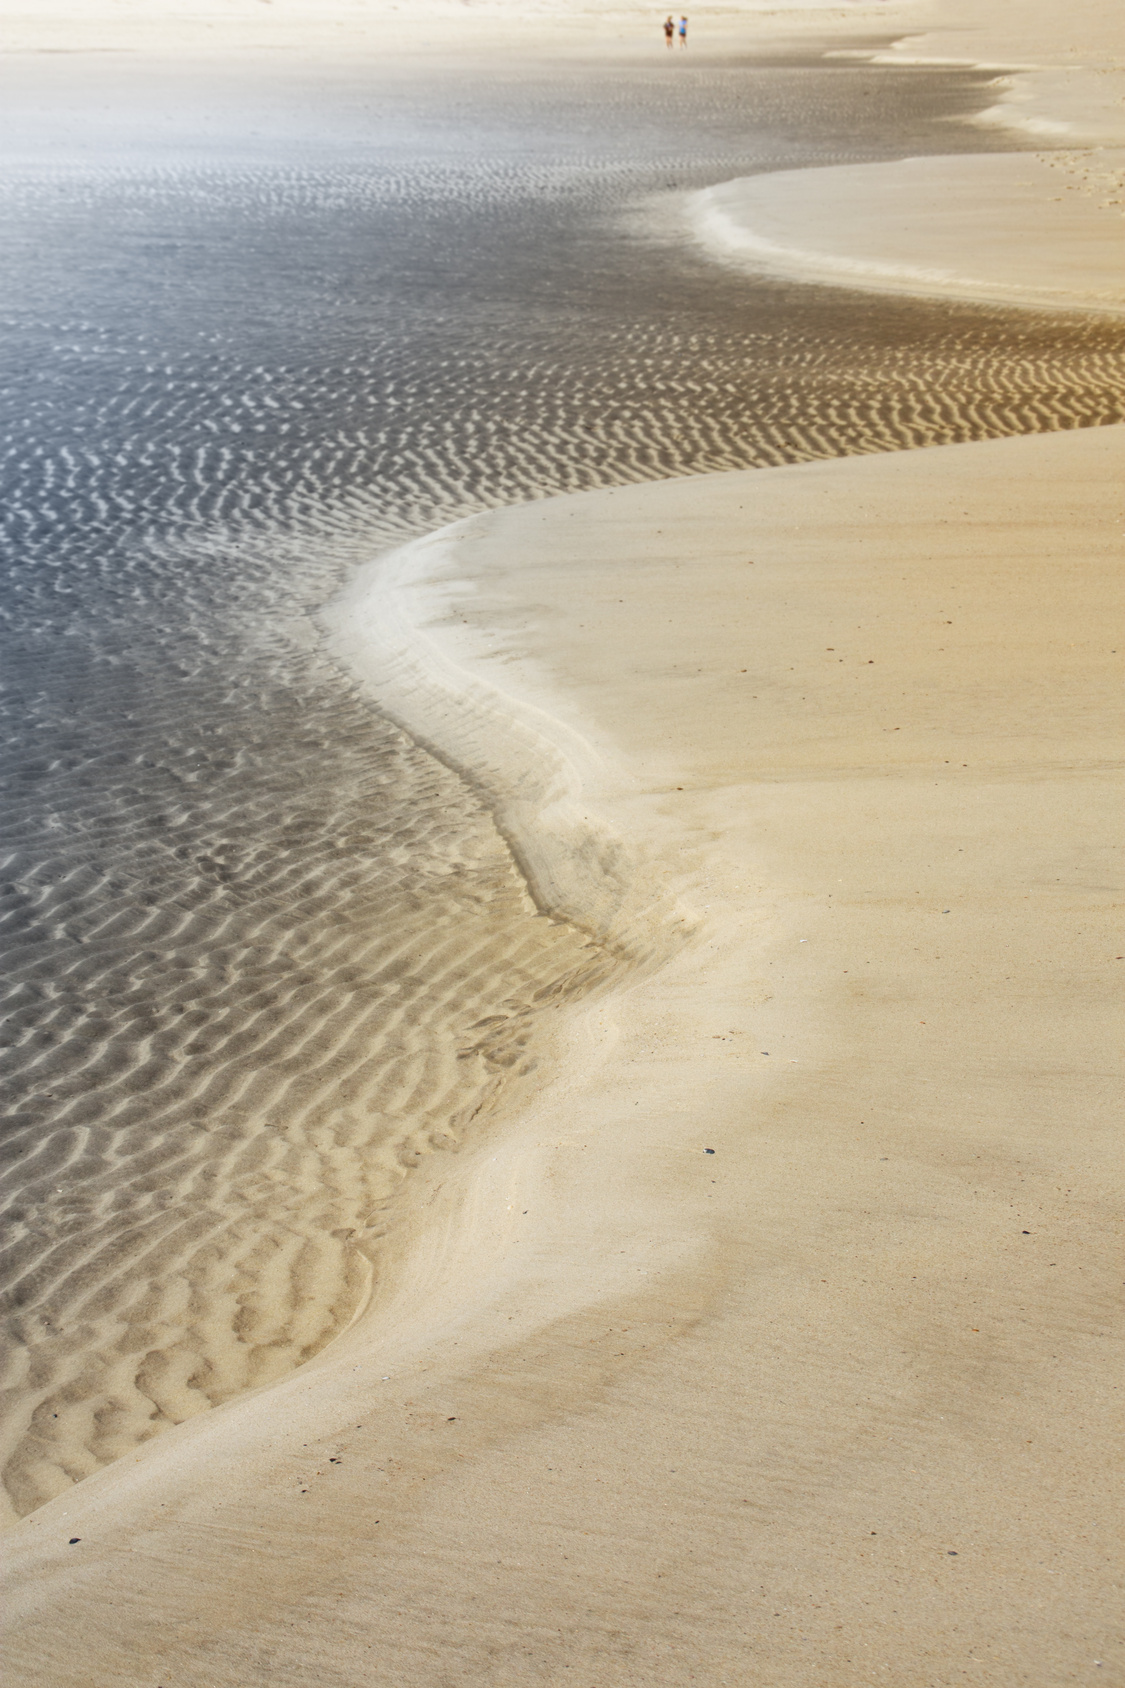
(263, 951)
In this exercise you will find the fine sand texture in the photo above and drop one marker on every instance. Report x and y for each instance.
(770, 1340)
(263, 952)
(1017, 228)
(740, 927)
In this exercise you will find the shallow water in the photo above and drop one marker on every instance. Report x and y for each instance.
(263, 951)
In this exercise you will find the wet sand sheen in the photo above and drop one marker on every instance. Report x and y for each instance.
(269, 954)
(751, 1336)
(759, 1338)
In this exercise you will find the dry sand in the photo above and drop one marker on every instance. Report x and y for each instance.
(827, 753)
(1015, 228)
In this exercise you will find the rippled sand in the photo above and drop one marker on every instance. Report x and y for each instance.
(265, 952)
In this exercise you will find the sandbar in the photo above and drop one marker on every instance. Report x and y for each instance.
(1045, 230)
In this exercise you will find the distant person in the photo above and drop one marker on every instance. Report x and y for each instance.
(669, 31)
(683, 32)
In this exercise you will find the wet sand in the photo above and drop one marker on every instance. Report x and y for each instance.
(772, 1338)
(265, 952)
(758, 1327)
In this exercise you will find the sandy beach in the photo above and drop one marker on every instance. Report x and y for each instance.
(1046, 231)
(755, 1319)
(773, 1337)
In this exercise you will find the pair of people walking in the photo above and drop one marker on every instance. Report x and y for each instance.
(672, 29)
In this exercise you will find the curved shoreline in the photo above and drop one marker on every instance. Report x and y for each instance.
(1044, 232)
(419, 927)
(768, 1220)
(764, 1336)
(535, 772)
